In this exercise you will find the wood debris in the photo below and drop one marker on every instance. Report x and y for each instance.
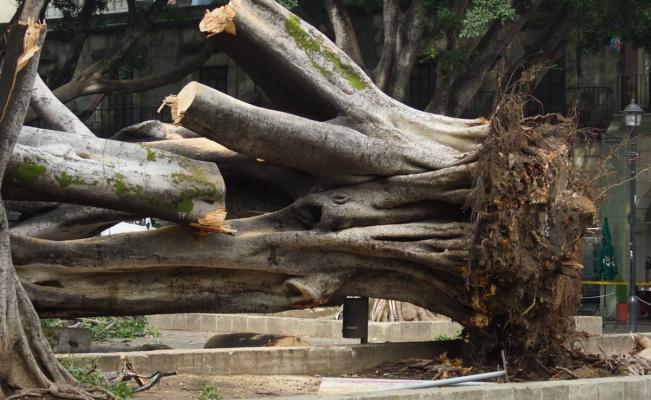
(219, 20)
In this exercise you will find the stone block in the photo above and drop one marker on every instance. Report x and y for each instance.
(323, 328)
(317, 361)
(578, 390)
(239, 324)
(462, 393)
(529, 391)
(415, 331)
(139, 360)
(275, 326)
(256, 324)
(611, 390)
(500, 393)
(216, 362)
(223, 323)
(193, 322)
(243, 362)
(160, 321)
(589, 325)
(302, 327)
(185, 363)
(369, 356)
(393, 333)
(336, 329)
(292, 361)
(208, 323)
(377, 331)
(163, 360)
(104, 361)
(340, 360)
(292, 326)
(558, 390)
(266, 361)
(635, 388)
(179, 322)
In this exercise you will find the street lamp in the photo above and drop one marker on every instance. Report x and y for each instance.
(632, 119)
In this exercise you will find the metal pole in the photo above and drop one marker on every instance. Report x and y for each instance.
(633, 304)
(446, 382)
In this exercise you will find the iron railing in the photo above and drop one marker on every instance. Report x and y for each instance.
(595, 105)
(633, 87)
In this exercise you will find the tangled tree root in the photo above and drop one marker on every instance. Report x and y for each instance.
(529, 216)
(68, 392)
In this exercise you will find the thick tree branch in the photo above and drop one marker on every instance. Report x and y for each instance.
(334, 151)
(66, 72)
(488, 52)
(135, 29)
(91, 171)
(392, 19)
(97, 85)
(410, 35)
(342, 25)
(69, 222)
(53, 112)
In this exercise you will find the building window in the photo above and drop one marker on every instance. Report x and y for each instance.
(215, 77)
(422, 84)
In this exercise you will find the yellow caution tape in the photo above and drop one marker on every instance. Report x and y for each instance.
(614, 283)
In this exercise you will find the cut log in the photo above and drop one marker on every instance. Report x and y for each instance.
(122, 176)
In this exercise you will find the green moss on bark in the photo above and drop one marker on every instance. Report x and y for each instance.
(151, 154)
(27, 172)
(313, 47)
(64, 180)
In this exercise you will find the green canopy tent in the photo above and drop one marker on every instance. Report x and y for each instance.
(607, 267)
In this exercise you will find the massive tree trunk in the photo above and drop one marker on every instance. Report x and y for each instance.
(27, 364)
(353, 193)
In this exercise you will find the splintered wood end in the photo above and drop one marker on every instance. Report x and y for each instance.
(214, 221)
(30, 43)
(219, 20)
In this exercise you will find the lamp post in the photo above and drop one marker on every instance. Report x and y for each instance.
(632, 120)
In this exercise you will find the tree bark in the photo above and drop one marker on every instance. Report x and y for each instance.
(476, 220)
(128, 177)
(26, 360)
(54, 113)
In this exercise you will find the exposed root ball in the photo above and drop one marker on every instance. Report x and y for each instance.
(529, 218)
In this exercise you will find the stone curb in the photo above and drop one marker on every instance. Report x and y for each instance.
(378, 331)
(333, 360)
(612, 388)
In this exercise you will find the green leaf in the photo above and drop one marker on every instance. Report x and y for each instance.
(484, 12)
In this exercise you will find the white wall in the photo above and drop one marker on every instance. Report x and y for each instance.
(7, 9)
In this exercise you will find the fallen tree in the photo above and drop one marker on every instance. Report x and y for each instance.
(342, 191)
